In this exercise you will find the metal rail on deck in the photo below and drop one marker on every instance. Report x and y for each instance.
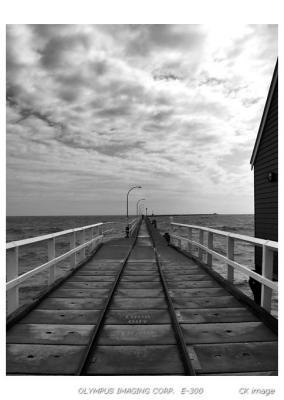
(86, 236)
(99, 324)
(188, 367)
(268, 248)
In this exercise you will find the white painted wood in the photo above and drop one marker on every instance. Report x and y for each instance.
(22, 278)
(267, 271)
(210, 246)
(190, 238)
(12, 272)
(80, 239)
(201, 240)
(51, 256)
(249, 239)
(72, 246)
(245, 270)
(25, 242)
(230, 255)
(171, 226)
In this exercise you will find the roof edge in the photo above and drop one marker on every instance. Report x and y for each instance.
(265, 113)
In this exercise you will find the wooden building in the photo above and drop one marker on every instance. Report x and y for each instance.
(264, 161)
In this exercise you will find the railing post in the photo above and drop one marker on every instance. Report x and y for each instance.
(190, 238)
(201, 239)
(12, 272)
(51, 256)
(100, 230)
(267, 272)
(230, 255)
(72, 246)
(171, 228)
(93, 235)
(210, 246)
(80, 253)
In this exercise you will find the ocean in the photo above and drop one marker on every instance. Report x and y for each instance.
(18, 228)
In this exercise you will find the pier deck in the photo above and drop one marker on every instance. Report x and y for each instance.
(134, 309)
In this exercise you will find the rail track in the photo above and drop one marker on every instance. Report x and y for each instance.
(139, 307)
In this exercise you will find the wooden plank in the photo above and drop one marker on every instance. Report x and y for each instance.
(119, 335)
(93, 262)
(43, 359)
(148, 293)
(112, 252)
(71, 304)
(197, 316)
(140, 268)
(207, 302)
(234, 332)
(65, 317)
(94, 273)
(181, 269)
(142, 263)
(77, 293)
(101, 269)
(96, 278)
(121, 303)
(189, 278)
(136, 360)
(193, 285)
(144, 242)
(142, 252)
(49, 334)
(237, 357)
(187, 262)
(141, 273)
(254, 373)
(189, 273)
(139, 278)
(137, 317)
(199, 292)
(86, 285)
(139, 285)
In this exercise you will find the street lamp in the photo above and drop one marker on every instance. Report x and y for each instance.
(133, 187)
(137, 205)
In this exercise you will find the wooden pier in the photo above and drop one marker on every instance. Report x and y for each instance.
(141, 307)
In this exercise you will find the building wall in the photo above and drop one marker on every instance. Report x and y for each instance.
(265, 192)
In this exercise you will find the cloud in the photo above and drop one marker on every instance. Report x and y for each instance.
(175, 108)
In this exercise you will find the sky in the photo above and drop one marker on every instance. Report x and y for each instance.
(93, 110)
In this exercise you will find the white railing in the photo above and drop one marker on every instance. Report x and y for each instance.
(77, 254)
(268, 248)
(132, 226)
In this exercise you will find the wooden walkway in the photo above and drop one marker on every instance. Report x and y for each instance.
(137, 316)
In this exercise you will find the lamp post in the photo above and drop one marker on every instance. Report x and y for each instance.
(137, 205)
(127, 227)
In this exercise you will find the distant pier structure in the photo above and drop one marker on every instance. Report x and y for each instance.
(264, 161)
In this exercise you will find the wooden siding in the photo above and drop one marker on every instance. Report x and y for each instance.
(265, 192)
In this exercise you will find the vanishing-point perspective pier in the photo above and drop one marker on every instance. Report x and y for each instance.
(142, 306)
(145, 301)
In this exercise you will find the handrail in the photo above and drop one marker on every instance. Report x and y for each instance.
(41, 238)
(43, 267)
(249, 239)
(77, 253)
(268, 248)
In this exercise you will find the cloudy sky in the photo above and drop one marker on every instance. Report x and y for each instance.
(95, 109)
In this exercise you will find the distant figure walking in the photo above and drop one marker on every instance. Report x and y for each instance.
(154, 223)
(167, 237)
